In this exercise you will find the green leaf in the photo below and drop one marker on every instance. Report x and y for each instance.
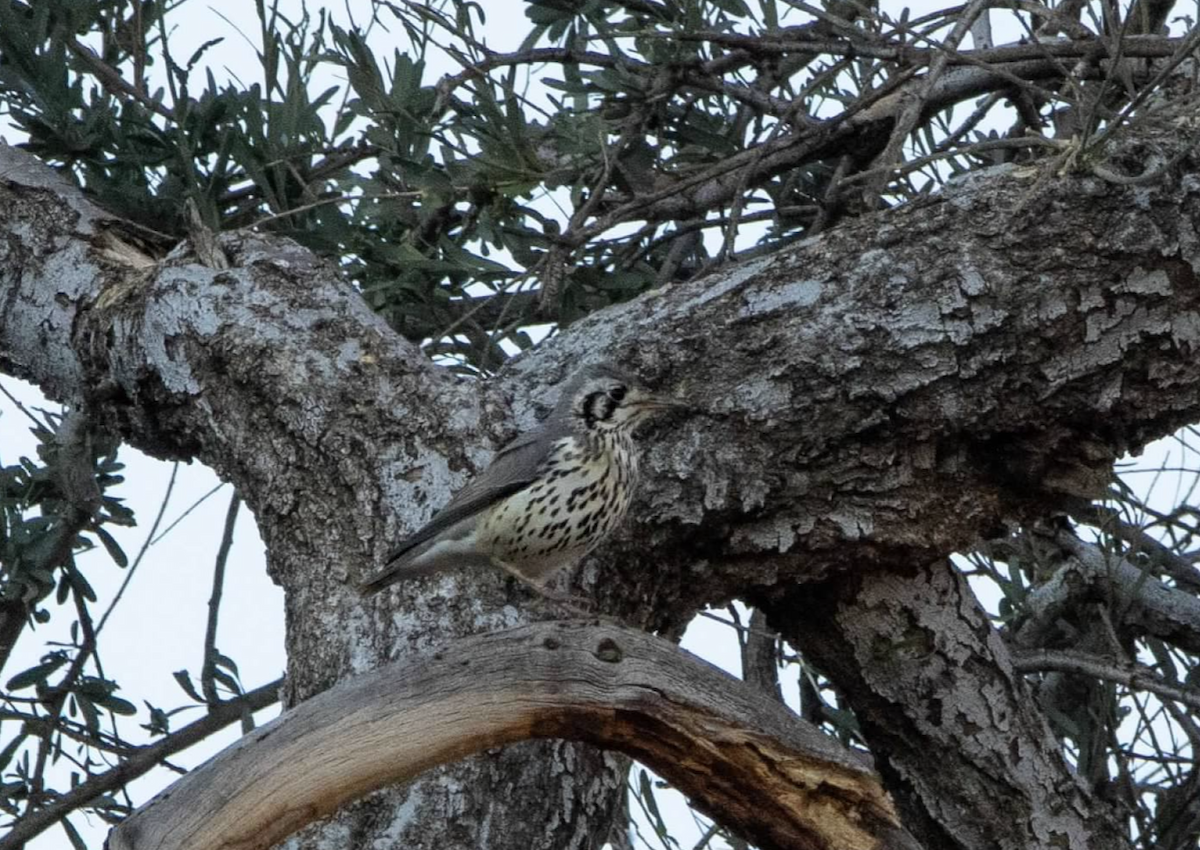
(114, 551)
(733, 7)
(37, 675)
(14, 790)
(80, 583)
(160, 721)
(547, 12)
(185, 681)
(91, 717)
(117, 705)
(228, 681)
(228, 663)
(10, 749)
(75, 838)
(646, 792)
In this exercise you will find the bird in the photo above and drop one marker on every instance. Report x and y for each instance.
(548, 497)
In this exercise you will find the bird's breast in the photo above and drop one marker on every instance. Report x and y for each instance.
(582, 492)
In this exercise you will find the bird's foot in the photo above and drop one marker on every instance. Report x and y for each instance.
(577, 606)
(566, 603)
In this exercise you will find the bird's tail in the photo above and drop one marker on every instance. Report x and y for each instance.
(416, 561)
(392, 573)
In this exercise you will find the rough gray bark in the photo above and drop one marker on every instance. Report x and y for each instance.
(931, 682)
(882, 395)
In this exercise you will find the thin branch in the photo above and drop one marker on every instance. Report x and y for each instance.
(909, 115)
(1134, 676)
(143, 761)
(21, 407)
(183, 515)
(114, 83)
(1138, 46)
(208, 670)
(1109, 520)
(137, 560)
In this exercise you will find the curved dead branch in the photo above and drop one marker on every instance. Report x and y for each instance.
(746, 760)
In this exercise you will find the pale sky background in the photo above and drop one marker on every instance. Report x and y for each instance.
(159, 626)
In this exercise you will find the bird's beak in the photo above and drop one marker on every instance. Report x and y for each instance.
(660, 402)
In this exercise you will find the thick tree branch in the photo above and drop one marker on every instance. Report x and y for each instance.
(938, 351)
(887, 393)
(961, 743)
(746, 760)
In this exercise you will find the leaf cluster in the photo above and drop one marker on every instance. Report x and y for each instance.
(52, 508)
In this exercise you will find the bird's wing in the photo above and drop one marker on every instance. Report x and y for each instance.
(513, 468)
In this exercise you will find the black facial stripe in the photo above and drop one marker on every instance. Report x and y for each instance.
(597, 407)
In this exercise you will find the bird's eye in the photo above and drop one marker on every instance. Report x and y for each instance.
(617, 393)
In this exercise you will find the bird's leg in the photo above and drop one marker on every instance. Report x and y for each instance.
(577, 605)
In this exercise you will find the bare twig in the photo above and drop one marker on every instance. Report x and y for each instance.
(114, 83)
(143, 761)
(1135, 676)
(208, 683)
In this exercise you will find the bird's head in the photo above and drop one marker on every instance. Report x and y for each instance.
(603, 398)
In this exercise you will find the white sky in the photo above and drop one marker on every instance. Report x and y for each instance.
(159, 627)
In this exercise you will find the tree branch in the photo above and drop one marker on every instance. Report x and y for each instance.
(138, 763)
(1143, 601)
(927, 337)
(208, 670)
(1110, 521)
(1134, 676)
(961, 745)
(746, 760)
(862, 129)
(934, 371)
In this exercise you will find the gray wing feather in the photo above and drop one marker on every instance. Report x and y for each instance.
(513, 468)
